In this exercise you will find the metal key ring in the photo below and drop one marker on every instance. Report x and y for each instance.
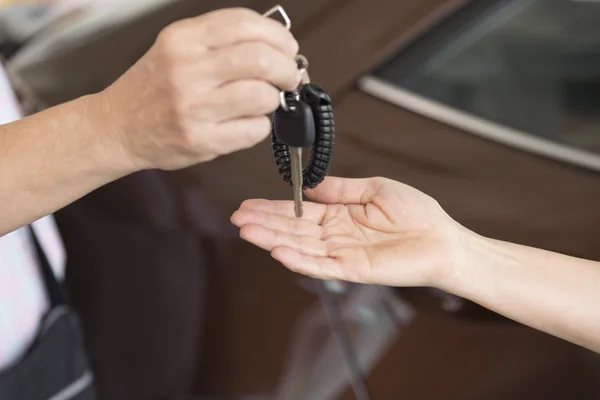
(302, 66)
(283, 102)
(302, 63)
(301, 60)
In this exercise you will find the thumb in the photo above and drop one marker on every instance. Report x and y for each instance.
(335, 190)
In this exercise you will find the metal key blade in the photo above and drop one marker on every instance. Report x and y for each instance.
(296, 161)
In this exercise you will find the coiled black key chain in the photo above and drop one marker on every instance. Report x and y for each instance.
(283, 136)
(304, 118)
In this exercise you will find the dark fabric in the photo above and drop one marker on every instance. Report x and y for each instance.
(137, 253)
(55, 291)
(56, 361)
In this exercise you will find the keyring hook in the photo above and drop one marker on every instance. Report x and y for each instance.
(280, 10)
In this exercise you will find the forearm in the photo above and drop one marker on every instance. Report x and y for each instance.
(554, 293)
(53, 158)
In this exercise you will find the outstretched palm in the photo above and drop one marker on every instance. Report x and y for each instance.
(364, 230)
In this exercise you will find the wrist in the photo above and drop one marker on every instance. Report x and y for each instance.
(468, 251)
(107, 131)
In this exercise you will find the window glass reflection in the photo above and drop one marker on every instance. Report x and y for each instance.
(531, 65)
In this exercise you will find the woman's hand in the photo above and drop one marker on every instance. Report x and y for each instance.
(383, 232)
(366, 230)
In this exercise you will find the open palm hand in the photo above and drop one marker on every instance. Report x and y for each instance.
(361, 230)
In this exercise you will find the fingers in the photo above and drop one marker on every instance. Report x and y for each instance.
(239, 134)
(203, 89)
(224, 28)
(232, 44)
(276, 222)
(346, 191)
(240, 99)
(314, 266)
(269, 239)
(312, 212)
(234, 25)
(252, 60)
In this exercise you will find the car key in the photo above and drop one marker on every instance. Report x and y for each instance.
(294, 125)
(296, 160)
(304, 118)
(306, 138)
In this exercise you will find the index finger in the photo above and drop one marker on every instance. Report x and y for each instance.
(230, 26)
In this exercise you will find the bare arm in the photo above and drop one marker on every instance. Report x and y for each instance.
(203, 90)
(551, 292)
(54, 157)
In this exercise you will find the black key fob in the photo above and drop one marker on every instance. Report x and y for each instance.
(295, 127)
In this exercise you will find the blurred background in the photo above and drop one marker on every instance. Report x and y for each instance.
(491, 107)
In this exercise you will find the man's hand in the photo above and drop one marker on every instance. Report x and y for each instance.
(203, 90)
(367, 230)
